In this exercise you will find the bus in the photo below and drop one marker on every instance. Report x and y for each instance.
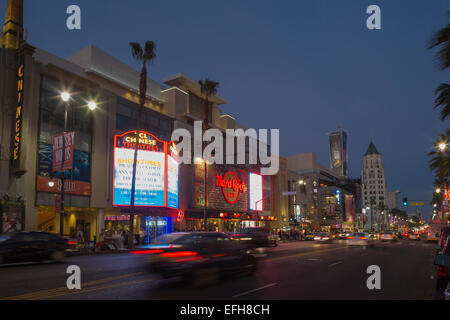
(434, 230)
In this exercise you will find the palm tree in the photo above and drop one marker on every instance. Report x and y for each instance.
(208, 88)
(143, 55)
(442, 40)
(439, 161)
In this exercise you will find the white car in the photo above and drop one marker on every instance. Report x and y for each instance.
(360, 239)
(388, 236)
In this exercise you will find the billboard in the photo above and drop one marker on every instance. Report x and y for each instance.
(338, 152)
(63, 141)
(156, 171)
(256, 192)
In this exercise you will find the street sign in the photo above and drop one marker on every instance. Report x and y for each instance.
(69, 138)
(416, 203)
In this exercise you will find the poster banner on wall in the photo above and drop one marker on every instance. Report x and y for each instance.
(256, 192)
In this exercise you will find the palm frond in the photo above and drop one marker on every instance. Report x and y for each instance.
(149, 51)
(442, 39)
(443, 100)
(136, 51)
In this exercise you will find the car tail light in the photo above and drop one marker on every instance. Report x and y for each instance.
(443, 271)
(363, 238)
(189, 259)
(146, 251)
(72, 242)
(179, 254)
(350, 238)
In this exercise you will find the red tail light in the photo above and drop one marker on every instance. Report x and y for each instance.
(188, 259)
(350, 237)
(146, 251)
(72, 242)
(179, 254)
(443, 271)
(363, 238)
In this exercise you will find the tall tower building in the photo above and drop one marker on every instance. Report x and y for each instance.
(13, 28)
(338, 152)
(373, 186)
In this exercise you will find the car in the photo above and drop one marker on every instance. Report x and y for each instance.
(388, 236)
(309, 236)
(442, 262)
(344, 234)
(256, 237)
(34, 247)
(360, 239)
(413, 236)
(323, 237)
(199, 257)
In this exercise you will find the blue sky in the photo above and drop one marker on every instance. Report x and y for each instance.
(304, 67)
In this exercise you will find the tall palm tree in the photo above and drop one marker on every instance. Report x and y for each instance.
(439, 161)
(441, 40)
(144, 55)
(208, 88)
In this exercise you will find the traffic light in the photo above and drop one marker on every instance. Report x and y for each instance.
(405, 202)
(291, 219)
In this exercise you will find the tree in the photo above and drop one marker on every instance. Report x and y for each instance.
(143, 55)
(441, 40)
(439, 161)
(208, 88)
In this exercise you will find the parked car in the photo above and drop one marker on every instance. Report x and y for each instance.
(256, 237)
(323, 237)
(442, 261)
(34, 247)
(200, 257)
(360, 239)
(388, 236)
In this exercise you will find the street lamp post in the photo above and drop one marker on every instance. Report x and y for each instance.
(65, 97)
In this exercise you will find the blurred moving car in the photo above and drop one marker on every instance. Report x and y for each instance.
(442, 261)
(201, 257)
(360, 239)
(323, 237)
(256, 237)
(34, 247)
(388, 236)
(309, 236)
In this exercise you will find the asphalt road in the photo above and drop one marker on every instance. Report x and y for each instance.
(293, 270)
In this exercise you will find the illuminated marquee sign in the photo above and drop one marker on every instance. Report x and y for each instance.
(256, 192)
(156, 171)
(18, 118)
(231, 186)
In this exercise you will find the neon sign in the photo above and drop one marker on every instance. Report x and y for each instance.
(18, 119)
(231, 186)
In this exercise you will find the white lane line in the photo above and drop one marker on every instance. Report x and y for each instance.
(257, 289)
(334, 264)
(313, 259)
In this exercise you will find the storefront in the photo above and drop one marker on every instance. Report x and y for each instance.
(156, 188)
(235, 197)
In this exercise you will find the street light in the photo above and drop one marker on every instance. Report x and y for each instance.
(92, 105)
(65, 96)
(51, 183)
(438, 190)
(442, 146)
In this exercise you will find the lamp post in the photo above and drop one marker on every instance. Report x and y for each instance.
(65, 96)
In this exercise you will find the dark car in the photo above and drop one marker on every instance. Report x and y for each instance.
(202, 257)
(309, 236)
(255, 237)
(442, 261)
(33, 247)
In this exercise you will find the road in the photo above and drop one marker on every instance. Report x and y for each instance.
(293, 270)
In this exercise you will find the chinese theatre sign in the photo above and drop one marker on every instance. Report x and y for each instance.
(231, 186)
(18, 117)
(156, 171)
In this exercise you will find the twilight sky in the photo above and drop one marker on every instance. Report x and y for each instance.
(304, 67)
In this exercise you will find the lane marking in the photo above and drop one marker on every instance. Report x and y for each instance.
(334, 264)
(303, 254)
(257, 289)
(32, 295)
(313, 259)
(73, 292)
